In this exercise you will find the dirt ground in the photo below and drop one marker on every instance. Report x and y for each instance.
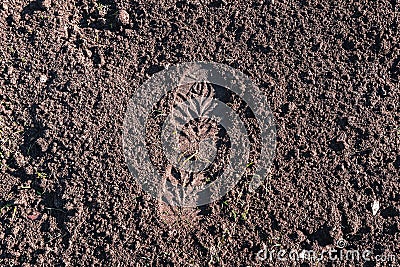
(330, 70)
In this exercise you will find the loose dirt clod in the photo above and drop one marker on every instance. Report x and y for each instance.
(45, 4)
(19, 160)
(42, 144)
(123, 17)
(10, 70)
(88, 53)
(4, 6)
(34, 216)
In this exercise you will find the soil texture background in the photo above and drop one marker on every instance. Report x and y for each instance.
(68, 69)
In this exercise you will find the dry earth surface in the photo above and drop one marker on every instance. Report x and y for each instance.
(68, 69)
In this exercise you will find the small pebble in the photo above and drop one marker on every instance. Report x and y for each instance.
(43, 78)
(123, 17)
(34, 216)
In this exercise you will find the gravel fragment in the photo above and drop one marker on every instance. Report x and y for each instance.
(123, 17)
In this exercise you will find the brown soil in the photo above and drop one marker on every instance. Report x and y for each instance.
(68, 69)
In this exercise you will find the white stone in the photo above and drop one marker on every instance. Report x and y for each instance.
(375, 207)
(43, 78)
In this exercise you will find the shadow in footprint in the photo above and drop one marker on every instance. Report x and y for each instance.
(101, 16)
(54, 206)
(32, 7)
(30, 146)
